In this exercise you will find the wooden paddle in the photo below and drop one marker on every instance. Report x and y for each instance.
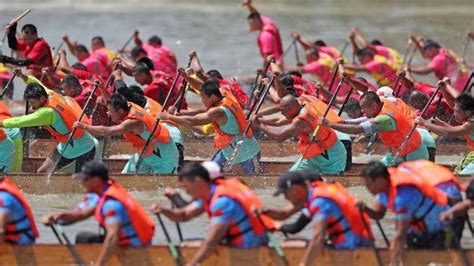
(157, 122)
(287, 50)
(412, 130)
(58, 228)
(344, 48)
(174, 251)
(467, 41)
(230, 163)
(385, 238)
(313, 137)
(297, 54)
(126, 43)
(6, 87)
(26, 12)
(256, 85)
(71, 135)
(273, 241)
(348, 96)
(185, 87)
(371, 239)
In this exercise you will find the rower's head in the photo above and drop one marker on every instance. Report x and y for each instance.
(290, 107)
(319, 43)
(142, 73)
(294, 187)
(147, 61)
(117, 108)
(288, 83)
(353, 109)
(430, 49)
(311, 175)
(97, 43)
(370, 104)
(210, 93)
(155, 40)
(94, 176)
(196, 181)
(71, 86)
(376, 177)
(29, 33)
(418, 100)
(214, 73)
(36, 95)
(138, 53)
(312, 55)
(81, 52)
(376, 42)
(255, 22)
(464, 107)
(365, 55)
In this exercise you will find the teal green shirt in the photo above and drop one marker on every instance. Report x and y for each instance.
(47, 116)
(249, 148)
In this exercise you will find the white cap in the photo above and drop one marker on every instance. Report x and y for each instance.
(385, 91)
(213, 169)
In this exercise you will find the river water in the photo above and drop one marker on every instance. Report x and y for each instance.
(217, 30)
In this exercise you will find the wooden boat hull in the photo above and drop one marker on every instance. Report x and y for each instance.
(47, 254)
(64, 184)
(204, 148)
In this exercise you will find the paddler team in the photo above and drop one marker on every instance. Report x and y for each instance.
(74, 104)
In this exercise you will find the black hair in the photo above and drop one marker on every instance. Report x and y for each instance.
(98, 39)
(375, 170)
(34, 91)
(79, 66)
(319, 43)
(155, 39)
(295, 73)
(71, 80)
(254, 15)
(192, 170)
(466, 103)
(211, 87)
(136, 51)
(365, 52)
(376, 42)
(430, 44)
(147, 61)
(352, 105)
(141, 68)
(29, 28)
(119, 102)
(287, 81)
(371, 96)
(311, 175)
(214, 73)
(81, 49)
(136, 89)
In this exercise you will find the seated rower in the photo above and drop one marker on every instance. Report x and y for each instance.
(228, 120)
(417, 192)
(326, 154)
(390, 124)
(229, 204)
(125, 221)
(17, 223)
(11, 145)
(332, 210)
(135, 124)
(57, 114)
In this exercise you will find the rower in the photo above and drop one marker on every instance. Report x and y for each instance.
(36, 51)
(443, 63)
(228, 121)
(417, 192)
(460, 208)
(57, 114)
(269, 40)
(164, 59)
(378, 48)
(17, 223)
(11, 160)
(463, 113)
(327, 154)
(332, 210)
(229, 204)
(319, 45)
(391, 125)
(135, 124)
(98, 47)
(125, 221)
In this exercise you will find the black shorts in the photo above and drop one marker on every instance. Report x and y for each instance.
(79, 161)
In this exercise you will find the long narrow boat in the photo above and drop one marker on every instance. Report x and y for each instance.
(268, 165)
(205, 148)
(64, 184)
(49, 254)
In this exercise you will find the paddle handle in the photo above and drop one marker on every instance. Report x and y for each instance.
(273, 241)
(70, 246)
(260, 103)
(22, 15)
(336, 69)
(372, 239)
(172, 248)
(5, 88)
(127, 42)
(348, 96)
(257, 85)
(344, 48)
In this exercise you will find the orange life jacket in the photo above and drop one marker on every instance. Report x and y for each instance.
(222, 139)
(140, 221)
(408, 111)
(238, 191)
(162, 134)
(431, 172)
(154, 109)
(394, 139)
(69, 111)
(12, 233)
(346, 203)
(4, 112)
(326, 137)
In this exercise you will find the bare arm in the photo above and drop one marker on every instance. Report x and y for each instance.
(215, 114)
(69, 217)
(110, 245)
(294, 129)
(281, 214)
(346, 128)
(458, 209)
(449, 93)
(421, 70)
(307, 45)
(447, 130)
(216, 232)
(375, 211)
(315, 244)
(182, 214)
(250, 7)
(397, 246)
(128, 125)
(70, 45)
(4, 220)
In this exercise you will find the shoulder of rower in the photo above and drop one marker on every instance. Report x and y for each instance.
(217, 114)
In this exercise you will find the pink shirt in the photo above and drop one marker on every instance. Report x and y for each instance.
(269, 40)
(162, 58)
(445, 65)
(330, 51)
(95, 66)
(324, 74)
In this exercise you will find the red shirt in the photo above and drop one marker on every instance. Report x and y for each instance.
(39, 52)
(158, 89)
(235, 89)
